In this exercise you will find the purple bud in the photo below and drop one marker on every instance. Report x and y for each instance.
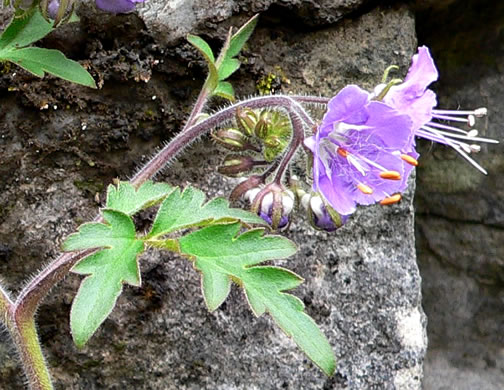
(272, 203)
(322, 216)
(52, 8)
(117, 6)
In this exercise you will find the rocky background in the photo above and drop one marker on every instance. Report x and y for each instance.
(62, 144)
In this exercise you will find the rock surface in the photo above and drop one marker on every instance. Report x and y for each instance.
(362, 283)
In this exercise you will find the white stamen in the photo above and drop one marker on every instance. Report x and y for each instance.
(455, 145)
(479, 112)
(446, 127)
(472, 133)
(449, 118)
(465, 147)
(466, 137)
(352, 160)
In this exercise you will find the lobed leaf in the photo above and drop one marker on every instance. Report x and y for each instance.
(108, 270)
(188, 208)
(124, 197)
(38, 60)
(222, 256)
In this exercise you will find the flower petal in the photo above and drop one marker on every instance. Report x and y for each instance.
(117, 6)
(348, 106)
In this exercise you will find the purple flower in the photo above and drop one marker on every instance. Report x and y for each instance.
(117, 6)
(360, 151)
(412, 97)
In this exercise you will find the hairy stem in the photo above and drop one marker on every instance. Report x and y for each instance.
(296, 140)
(185, 138)
(28, 345)
(6, 306)
(311, 99)
(197, 108)
(35, 291)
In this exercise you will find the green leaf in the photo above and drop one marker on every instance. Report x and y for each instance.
(239, 39)
(225, 90)
(222, 256)
(186, 209)
(108, 270)
(206, 52)
(25, 29)
(39, 60)
(228, 67)
(203, 47)
(129, 200)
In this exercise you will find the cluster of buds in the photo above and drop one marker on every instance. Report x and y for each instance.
(274, 203)
(255, 132)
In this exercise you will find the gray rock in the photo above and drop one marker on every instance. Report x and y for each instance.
(362, 283)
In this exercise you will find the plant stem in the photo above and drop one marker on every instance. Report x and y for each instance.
(297, 139)
(30, 352)
(6, 305)
(186, 137)
(311, 99)
(197, 108)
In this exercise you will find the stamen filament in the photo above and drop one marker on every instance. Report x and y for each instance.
(479, 112)
(446, 127)
(450, 118)
(466, 137)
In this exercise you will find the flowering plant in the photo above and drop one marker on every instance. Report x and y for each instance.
(362, 152)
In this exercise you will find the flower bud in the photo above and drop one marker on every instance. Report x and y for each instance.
(273, 204)
(262, 127)
(246, 120)
(321, 215)
(232, 139)
(246, 185)
(234, 164)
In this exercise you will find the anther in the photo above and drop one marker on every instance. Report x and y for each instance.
(391, 200)
(466, 148)
(479, 112)
(475, 148)
(342, 152)
(410, 160)
(391, 175)
(365, 189)
(472, 133)
(471, 120)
